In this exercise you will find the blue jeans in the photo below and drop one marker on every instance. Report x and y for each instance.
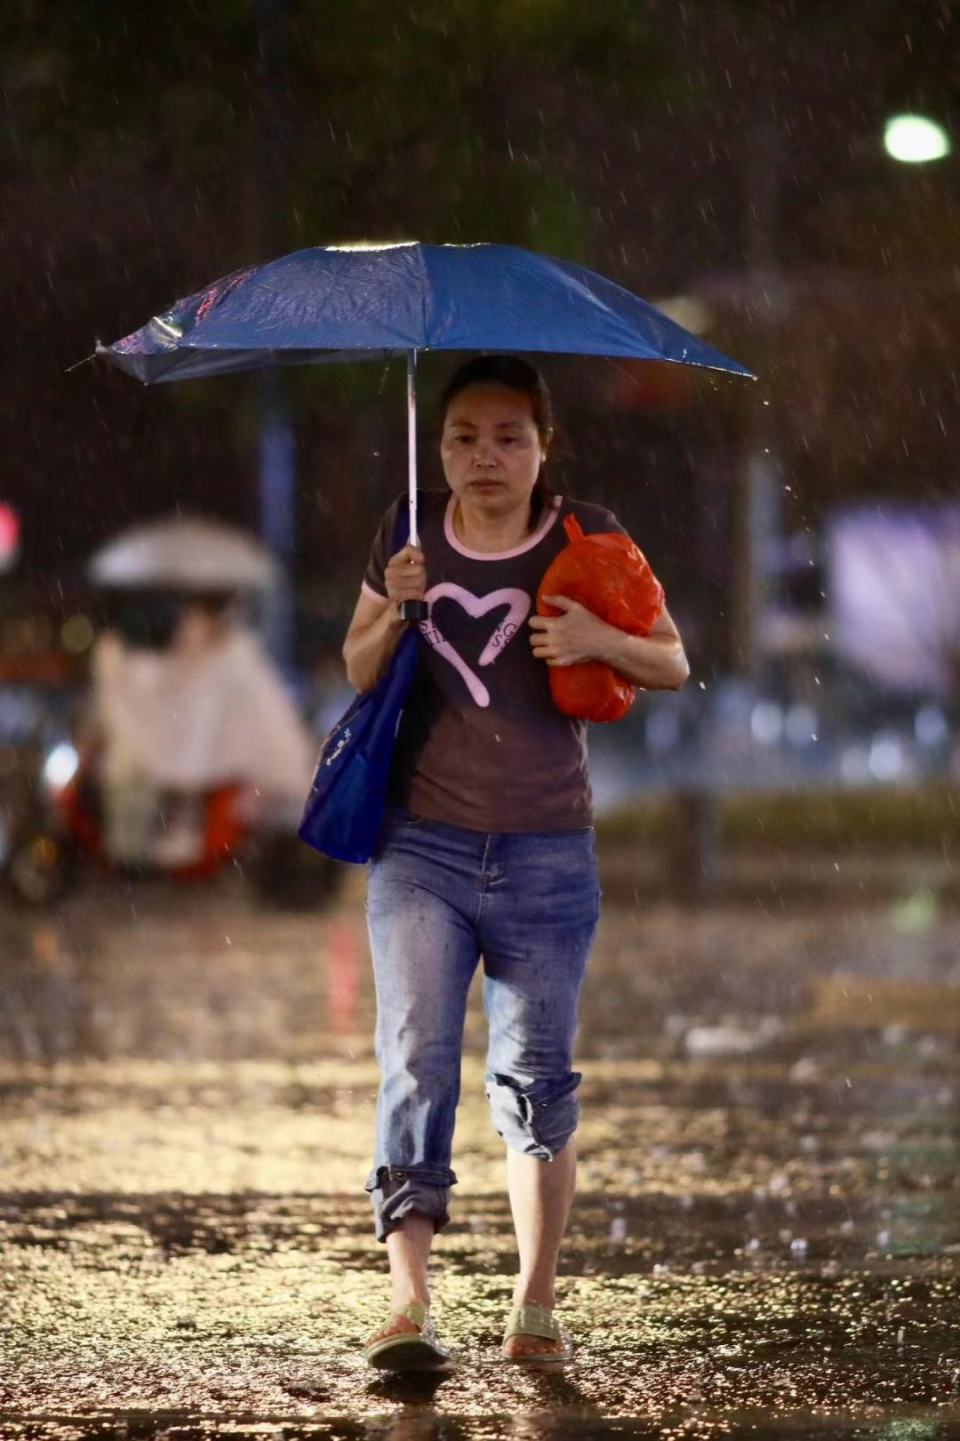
(438, 898)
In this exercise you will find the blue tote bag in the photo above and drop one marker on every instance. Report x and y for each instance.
(344, 813)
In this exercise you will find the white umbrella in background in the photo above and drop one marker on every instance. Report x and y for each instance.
(184, 553)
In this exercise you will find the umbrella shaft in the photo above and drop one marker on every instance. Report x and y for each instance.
(412, 445)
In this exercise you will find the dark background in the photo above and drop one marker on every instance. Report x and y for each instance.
(727, 151)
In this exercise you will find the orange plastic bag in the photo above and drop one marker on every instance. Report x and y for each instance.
(611, 577)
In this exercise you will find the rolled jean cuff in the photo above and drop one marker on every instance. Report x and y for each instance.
(536, 1120)
(399, 1191)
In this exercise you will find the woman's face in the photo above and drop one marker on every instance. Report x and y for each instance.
(490, 448)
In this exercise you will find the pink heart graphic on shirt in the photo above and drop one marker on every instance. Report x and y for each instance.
(518, 608)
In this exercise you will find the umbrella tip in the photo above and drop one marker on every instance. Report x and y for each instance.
(77, 363)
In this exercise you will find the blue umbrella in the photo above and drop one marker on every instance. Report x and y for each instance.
(361, 302)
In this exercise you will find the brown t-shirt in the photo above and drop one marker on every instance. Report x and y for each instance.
(481, 743)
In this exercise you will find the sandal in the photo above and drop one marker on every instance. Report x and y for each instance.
(531, 1319)
(408, 1350)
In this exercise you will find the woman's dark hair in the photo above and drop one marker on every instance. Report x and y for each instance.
(516, 374)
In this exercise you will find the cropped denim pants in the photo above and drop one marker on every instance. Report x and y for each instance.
(439, 898)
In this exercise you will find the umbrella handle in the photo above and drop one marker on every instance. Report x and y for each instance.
(412, 610)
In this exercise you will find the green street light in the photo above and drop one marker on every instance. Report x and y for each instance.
(914, 139)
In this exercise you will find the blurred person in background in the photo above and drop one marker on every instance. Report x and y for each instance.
(185, 700)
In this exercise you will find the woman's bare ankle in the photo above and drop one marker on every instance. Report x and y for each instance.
(403, 1293)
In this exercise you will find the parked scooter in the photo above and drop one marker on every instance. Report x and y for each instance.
(54, 839)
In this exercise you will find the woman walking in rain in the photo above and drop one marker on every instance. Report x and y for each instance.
(488, 848)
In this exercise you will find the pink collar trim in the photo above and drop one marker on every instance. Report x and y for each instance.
(528, 544)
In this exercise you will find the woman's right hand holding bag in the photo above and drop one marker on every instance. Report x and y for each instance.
(611, 577)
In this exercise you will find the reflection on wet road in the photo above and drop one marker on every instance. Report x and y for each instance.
(766, 1242)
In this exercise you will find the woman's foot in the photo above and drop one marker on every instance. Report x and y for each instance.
(396, 1324)
(406, 1342)
(522, 1346)
(533, 1335)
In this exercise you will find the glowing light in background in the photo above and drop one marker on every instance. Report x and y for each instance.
(9, 536)
(886, 760)
(76, 634)
(914, 139)
(766, 723)
(930, 726)
(60, 767)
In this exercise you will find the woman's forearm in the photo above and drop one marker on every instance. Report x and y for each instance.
(655, 662)
(368, 652)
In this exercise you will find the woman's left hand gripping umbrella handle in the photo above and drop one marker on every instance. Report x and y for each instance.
(406, 580)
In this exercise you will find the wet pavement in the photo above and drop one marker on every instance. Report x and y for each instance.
(766, 1239)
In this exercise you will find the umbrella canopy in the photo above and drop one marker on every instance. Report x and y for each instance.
(371, 302)
(342, 303)
(184, 553)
